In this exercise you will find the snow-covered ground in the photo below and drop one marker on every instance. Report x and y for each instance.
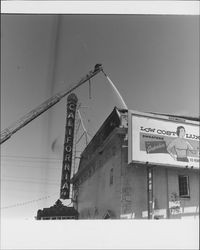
(116, 234)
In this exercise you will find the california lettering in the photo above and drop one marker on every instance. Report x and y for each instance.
(68, 147)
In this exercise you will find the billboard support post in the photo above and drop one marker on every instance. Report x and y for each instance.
(149, 191)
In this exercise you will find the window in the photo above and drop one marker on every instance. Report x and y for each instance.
(111, 176)
(184, 186)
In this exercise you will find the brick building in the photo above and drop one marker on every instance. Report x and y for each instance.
(111, 184)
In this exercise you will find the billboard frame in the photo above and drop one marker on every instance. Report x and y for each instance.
(159, 117)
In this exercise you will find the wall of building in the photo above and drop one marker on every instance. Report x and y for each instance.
(134, 192)
(189, 207)
(165, 185)
(160, 191)
(96, 195)
(126, 198)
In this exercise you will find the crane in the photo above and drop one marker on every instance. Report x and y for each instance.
(23, 121)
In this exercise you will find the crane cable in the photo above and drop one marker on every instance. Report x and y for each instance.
(90, 96)
(116, 90)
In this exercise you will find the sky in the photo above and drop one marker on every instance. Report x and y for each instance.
(153, 60)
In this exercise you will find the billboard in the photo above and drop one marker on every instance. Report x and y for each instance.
(162, 140)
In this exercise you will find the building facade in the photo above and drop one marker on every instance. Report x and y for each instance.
(108, 185)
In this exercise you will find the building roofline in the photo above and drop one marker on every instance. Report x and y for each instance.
(116, 131)
(115, 110)
(118, 111)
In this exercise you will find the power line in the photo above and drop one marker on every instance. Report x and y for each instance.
(31, 182)
(27, 178)
(6, 161)
(24, 158)
(39, 167)
(36, 160)
(28, 202)
(19, 191)
(31, 157)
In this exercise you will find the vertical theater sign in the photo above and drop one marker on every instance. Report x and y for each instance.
(68, 146)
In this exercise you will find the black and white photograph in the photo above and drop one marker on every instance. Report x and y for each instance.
(100, 125)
